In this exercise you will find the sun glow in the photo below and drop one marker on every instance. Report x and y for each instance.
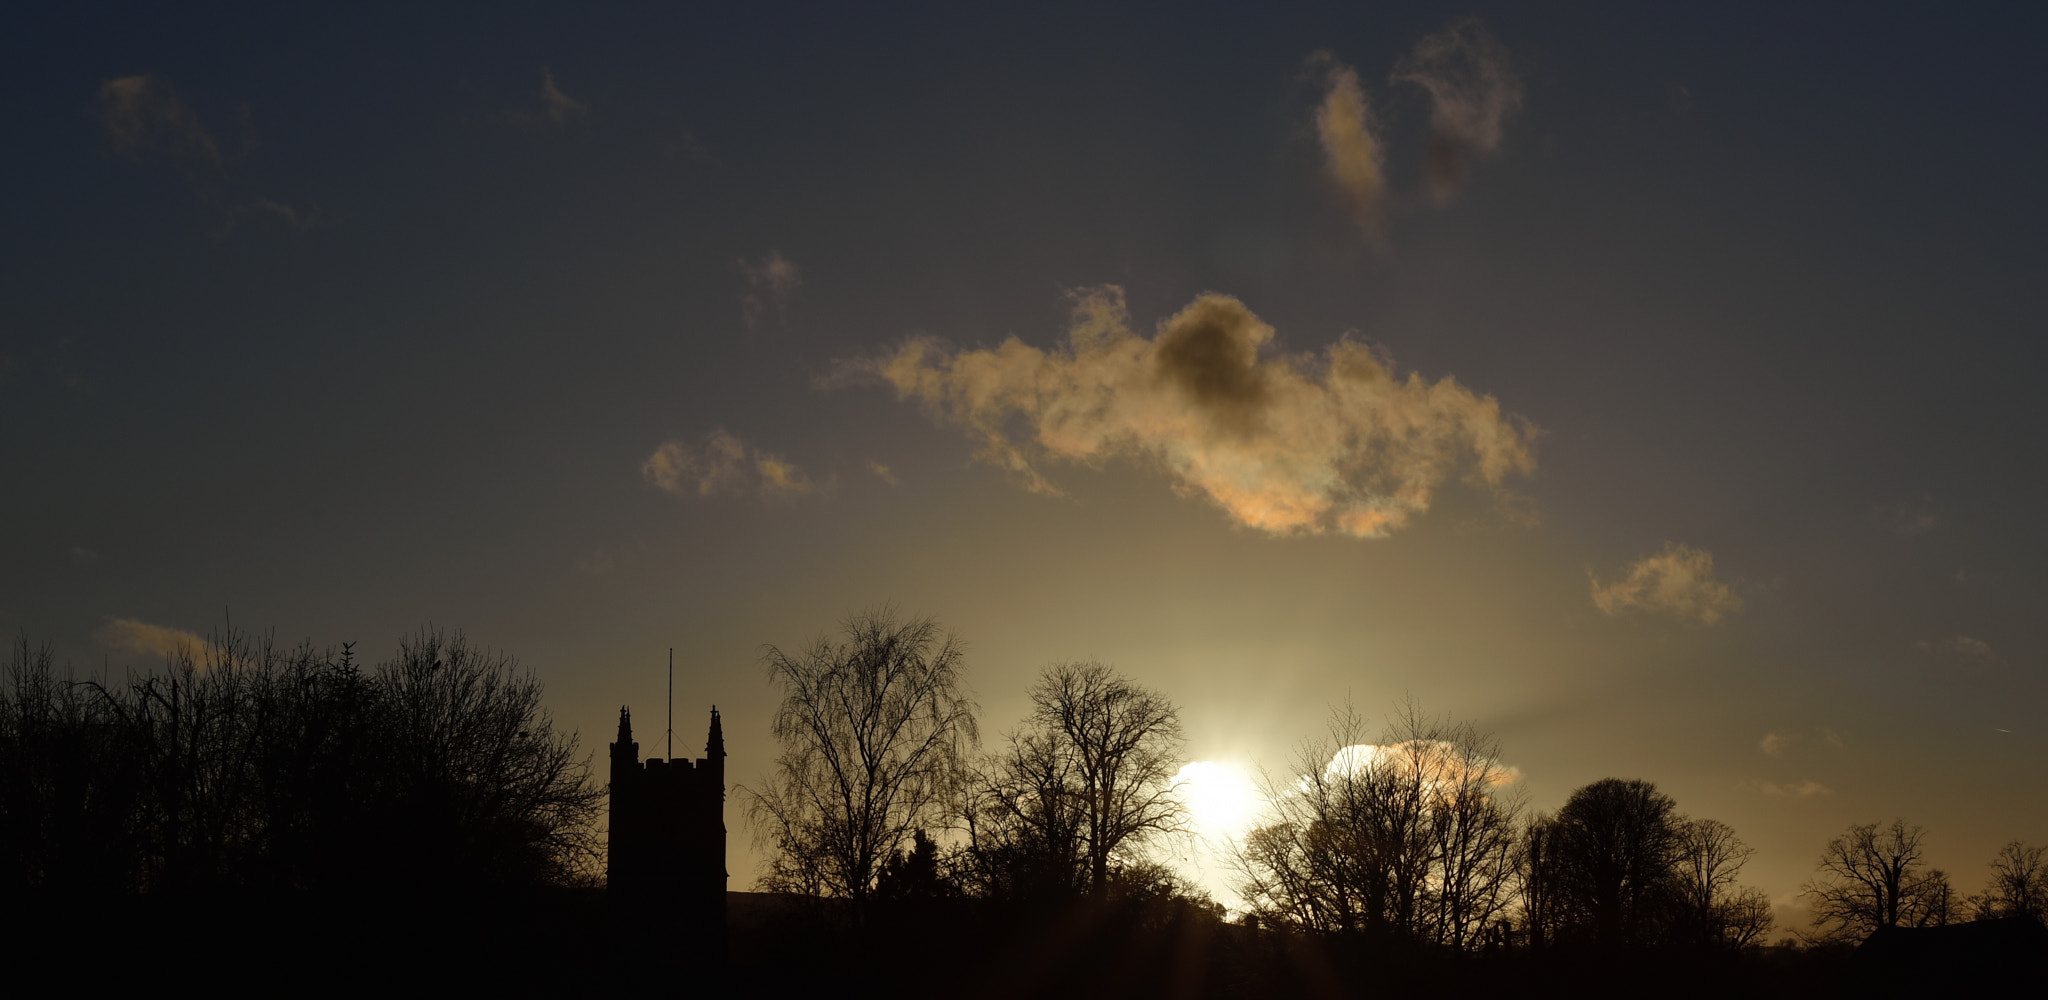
(1221, 798)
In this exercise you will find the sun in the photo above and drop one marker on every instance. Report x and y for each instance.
(1222, 800)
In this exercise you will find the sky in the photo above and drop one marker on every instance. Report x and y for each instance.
(1656, 390)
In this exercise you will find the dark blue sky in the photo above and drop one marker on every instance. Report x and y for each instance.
(361, 320)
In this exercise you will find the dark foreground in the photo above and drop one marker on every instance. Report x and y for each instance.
(562, 943)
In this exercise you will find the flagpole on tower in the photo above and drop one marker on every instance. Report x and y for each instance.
(671, 703)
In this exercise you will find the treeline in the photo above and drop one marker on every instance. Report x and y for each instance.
(284, 794)
(1402, 851)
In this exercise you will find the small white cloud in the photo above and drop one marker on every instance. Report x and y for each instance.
(723, 464)
(1679, 580)
(1775, 742)
(882, 473)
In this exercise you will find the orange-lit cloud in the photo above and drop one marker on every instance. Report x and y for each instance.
(770, 281)
(1289, 445)
(882, 473)
(1775, 742)
(1351, 149)
(1679, 580)
(1439, 759)
(142, 113)
(1472, 90)
(142, 637)
(723, 464)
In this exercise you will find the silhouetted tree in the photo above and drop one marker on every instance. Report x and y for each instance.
(1024, 822)
(1608, 864)
(1709, 859)
(1874, 876)
(1412, 837)
(2019, 884)
(874, 731)
(245, 766)
(1119, 746)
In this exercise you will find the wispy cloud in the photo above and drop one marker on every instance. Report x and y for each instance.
(1352, 153)
(1679, 580)
(723, 465)
(1967, 647)
(143, 113)
(1915, 517)
(1309, 444)
(1776, 742)
(145, 116)
(882, 473)
(1472, 90)
(1792, 790)
(557, 106)
(770, 281)
(261, 208)
(142, 637)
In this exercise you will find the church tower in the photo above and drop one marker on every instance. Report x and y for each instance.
(665, 866)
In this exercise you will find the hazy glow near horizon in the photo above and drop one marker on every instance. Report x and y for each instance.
(1221, 798)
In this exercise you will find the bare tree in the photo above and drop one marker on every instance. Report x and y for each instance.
(2019, 883)
(1744, 918)
(1874, 876)
(875, 729)
(1122, 746)
(1024, 821)
(1709, 859)
(1413, 836)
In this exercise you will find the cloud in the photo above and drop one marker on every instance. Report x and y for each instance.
(262, 208)
(882, 473)
(1440, 759)
(769, 282)
(1289, 445)
(1472, 90)
(1911, 518)
(1959, 645)
(1797, 790)
(1351, 150)
(557, 106)
(1679, 580)
(143, 113)
(142, 637)
(1774, 743)
(723, 465)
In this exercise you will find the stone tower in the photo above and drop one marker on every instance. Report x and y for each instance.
(665, 854)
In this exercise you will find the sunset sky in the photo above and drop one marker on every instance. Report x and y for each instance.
(1657, 391)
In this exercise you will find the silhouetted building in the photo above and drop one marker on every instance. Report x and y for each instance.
(665, 873)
